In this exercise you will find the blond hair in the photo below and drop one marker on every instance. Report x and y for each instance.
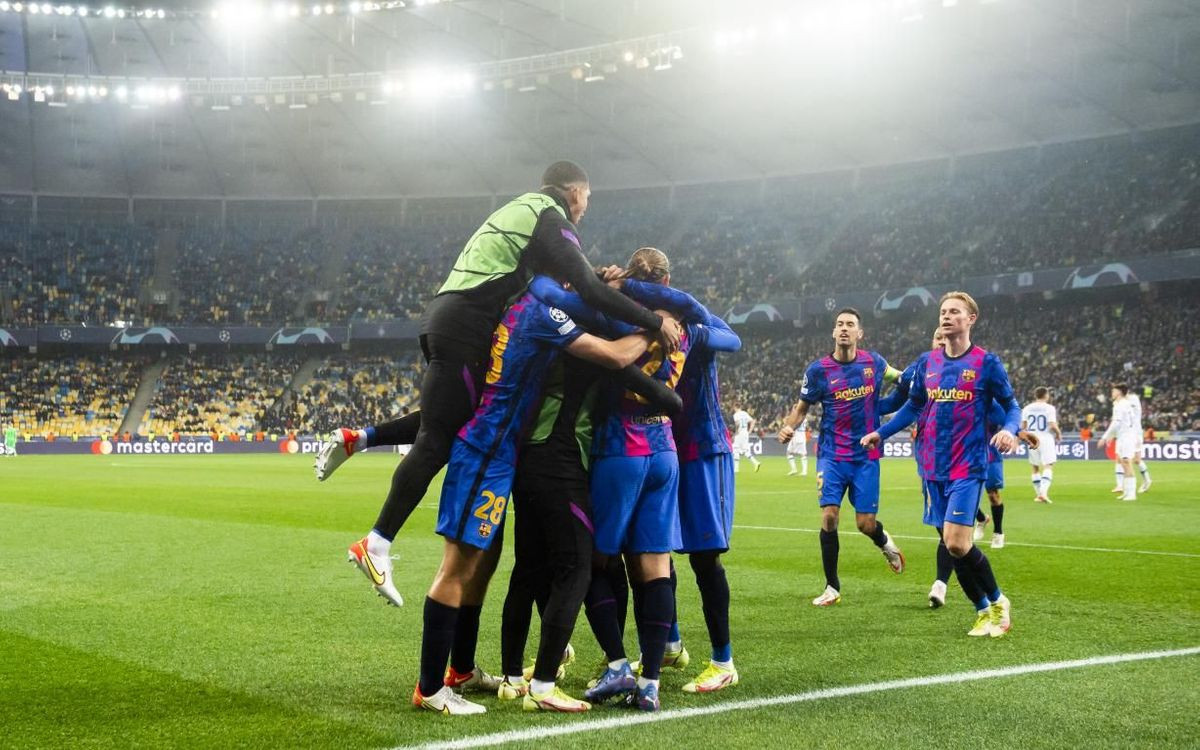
(648, 264)
(966, 299)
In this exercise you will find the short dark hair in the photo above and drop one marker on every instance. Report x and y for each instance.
(560, 174)
(850, 311)
(1041, 392)
(1122, 387)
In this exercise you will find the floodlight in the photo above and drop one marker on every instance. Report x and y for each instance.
(110, 11)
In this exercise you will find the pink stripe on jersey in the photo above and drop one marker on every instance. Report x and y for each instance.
(965, 414)
(929, 416)
(843, 417)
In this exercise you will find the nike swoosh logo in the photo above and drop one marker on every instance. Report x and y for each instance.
(377, 577)
(957, 513)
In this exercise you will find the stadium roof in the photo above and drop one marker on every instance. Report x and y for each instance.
(477, 96)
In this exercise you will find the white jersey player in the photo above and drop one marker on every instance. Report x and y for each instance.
(1141, 431)
(1041, 419)
(798, 446)
(1123, 432)
(743, 423)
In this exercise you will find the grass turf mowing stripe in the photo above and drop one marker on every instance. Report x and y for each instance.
(525, 735)
(1007, 544)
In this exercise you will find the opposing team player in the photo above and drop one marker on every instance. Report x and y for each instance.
(1137, 455)
(951, 391)
(475, 495)
(798, 446)
(1041, 419)
(743, 423)
(1123, 431)
(847, 384)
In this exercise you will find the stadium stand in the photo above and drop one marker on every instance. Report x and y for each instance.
(67, 397)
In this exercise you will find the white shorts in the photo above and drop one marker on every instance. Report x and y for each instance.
(1044, 455)
(797, 446)
(1126, 446)
(741, 445)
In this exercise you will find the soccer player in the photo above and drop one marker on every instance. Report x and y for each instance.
(533, 233)
(1041, 419)
(10, 440)
(846, 383)
(475, 495)
(951, 390)
(743, 423)
(1123, 431)
(798, 446)
(706, 493)
(634, 483)
(1137, 455)
(553, 541)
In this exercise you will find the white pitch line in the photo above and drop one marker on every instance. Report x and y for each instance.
(630, 719)
(1006, 544)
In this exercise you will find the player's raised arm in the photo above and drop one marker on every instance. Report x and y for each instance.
(557, 254)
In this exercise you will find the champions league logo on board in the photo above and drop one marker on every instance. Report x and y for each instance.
(760, 313)
(913, 298)
(292, 336)
(156, 335)
(1109, 274)
(7, 339)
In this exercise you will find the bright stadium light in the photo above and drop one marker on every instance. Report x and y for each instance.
(173, 93)
(110, 11)
(47, 9)
(82, 11)
(122, 93)
(316, 10)
(34, 10)
(4, 6)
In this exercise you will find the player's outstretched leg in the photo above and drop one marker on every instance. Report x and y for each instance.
(372, 555)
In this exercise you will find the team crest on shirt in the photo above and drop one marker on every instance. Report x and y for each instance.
(485, 530)
(868, 372)
(969, 375)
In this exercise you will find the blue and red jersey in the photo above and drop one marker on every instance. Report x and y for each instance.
(700, 428)
(950, 399)
(849, 396)
(626, 423)
(526, 342)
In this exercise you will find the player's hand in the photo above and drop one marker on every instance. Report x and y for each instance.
(1101, 442)
(870, 440)
(785, 433)
(1004, 441)
(612, 275)
(670, 333)
(1028, 438)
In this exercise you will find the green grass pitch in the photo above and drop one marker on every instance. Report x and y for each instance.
(205, 602)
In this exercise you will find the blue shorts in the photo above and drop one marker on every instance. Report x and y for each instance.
(706, 503)
(995, 475)
(952, 501)
(861, 478)
(635, 503)
(475, 496)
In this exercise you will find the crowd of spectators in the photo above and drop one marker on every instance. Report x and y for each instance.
(72, 273)
(65, 398)
(348, 391)
(1077, 350)
(248, 277)
(223, 395)
(729, 243)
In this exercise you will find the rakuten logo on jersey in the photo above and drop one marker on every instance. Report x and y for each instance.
(1172, 451)
(898, 450)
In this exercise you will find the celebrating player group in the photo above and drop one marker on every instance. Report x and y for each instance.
(588, 400)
